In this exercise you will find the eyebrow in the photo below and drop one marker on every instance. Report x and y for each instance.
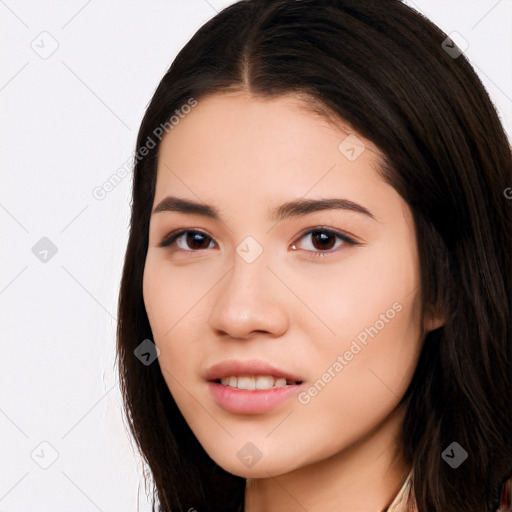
(295, 208)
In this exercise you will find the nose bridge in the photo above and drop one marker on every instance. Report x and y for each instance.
(248, 301)
(249, 277)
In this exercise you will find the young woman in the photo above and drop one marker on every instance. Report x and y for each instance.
(319, 255)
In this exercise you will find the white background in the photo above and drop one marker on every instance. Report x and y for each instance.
(67, 123)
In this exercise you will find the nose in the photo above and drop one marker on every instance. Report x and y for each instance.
(250, 299)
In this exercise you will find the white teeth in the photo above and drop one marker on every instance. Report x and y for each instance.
(280, 383)
(250, 382)
(246, 382)
(264, 382)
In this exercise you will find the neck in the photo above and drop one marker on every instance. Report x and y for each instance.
(364, 477)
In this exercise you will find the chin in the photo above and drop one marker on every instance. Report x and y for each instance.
(260, 470)
(247, 461)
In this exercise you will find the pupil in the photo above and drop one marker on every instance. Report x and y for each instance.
(322, 238)
(196, 239)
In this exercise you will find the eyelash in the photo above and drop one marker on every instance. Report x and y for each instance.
(171, 238)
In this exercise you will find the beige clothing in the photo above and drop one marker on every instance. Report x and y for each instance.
(404, 501)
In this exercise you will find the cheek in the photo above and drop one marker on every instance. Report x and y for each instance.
(156, 300)
(168, 296)
(353, 295)
(161, 306)
(170, 300)
(356, 385)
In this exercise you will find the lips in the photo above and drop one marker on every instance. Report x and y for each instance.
(244, 387)
(254, 368)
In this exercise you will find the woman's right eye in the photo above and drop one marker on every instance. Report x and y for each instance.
(195, 240)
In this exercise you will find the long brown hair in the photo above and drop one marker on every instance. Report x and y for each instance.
(386, 70)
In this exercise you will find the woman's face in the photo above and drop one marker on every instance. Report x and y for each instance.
(298, 277)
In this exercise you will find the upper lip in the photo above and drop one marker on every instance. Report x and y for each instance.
(233, 367)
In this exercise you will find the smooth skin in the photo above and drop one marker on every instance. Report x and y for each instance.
(299, 305)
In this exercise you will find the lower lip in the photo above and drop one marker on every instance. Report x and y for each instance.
(258, 401)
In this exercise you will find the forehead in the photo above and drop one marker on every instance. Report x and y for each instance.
(291, 113)
(237, 139)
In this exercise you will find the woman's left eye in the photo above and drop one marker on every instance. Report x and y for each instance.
(323, 241)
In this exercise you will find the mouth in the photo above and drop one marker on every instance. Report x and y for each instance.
(250, 387)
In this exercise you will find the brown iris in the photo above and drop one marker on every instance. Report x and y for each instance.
(322, 239)
(195, 238)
